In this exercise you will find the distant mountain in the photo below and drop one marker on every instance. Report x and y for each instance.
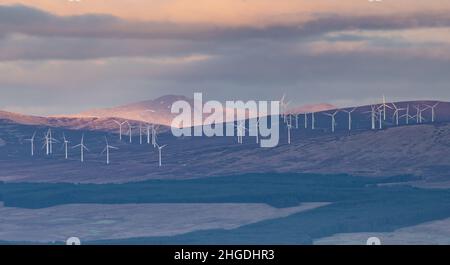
(158, 111)
(155, 111)
(88, 123)
(22, 119)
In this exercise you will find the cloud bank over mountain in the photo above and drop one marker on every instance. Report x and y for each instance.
(341, 53)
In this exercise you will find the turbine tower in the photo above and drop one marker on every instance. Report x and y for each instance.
(240, 128)
(289, 127)
(31, 140)
(52, 141)
(49, 141)
(396, 113)
(284, 106)
(333, 119)
(130, 132)
(154, 135)
(380, 120)
(313, 121)
(120, 128)
(306, 120)
(384, 106)
(257, 130)
(82, 148)
(107, 150)
(373, 116)
(407, 116)
(46, 144)
(160, 151)
(140, 133)
(433, 111)
(65, 144)
(148, 134)
(418, 116)
(349, 112)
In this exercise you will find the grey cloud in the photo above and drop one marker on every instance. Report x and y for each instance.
(27, 20)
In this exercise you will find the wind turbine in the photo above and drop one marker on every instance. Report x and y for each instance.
(380, 120)
(433, 111)
(107, 150)
(52, 141)
(289, 127)
(120, 128)
(240, 128)
(257, 130)
(148, 134)
(140, 133)
(396, 113)
(82, 148)
(313, 121)
(406, 115)
(31, 140)
(418, 116)
(130, 128)
(160, 151)
(333, 119)
(154, 135)
(373, 115)
(46, 144)
(384, 106)
(49, 141)
(284, 106)
(65, 144)
(296, 121)
(349, 112)
(306, 120)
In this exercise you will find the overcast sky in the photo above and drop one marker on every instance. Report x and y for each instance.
(59, 57)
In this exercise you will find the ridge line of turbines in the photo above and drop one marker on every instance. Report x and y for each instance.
(49, 141)
(377, 113)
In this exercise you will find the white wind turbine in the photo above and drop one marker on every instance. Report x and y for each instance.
(380, 119)
(313, 121)
(65, 144)
(148, 134)
(296, 121)
(31, 140)
(333, 119)
(120, 128)
(289, 127)
(257, 130)
(284, 106)
(306, 120)
(154, 135)
(46, 144)
(240, 128)
(349, 112)
(49, 141)
(406, 115)
(82, 148)
(433, 111)
(52, 141)
(396, 113)
(373, 116)
(160, 151)
(107, 150)
(418, 116)
(384, 106)
(130, 131)
(140, 133)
